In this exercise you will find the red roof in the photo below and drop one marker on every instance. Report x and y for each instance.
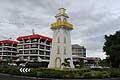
(33, 37)
(8, 42)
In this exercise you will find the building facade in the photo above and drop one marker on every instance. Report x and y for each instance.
(61, 43)
(8, 50)
(78, 50)
(34, 48)
(92, 62)
(78, 54)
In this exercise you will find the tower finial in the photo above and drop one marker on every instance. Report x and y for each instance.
(62, 13)
(62, 10)
(61, 3)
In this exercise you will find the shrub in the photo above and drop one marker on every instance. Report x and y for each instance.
(115, 72)
(105, 74)
(65, 73)
(96, 74)
(14, 71)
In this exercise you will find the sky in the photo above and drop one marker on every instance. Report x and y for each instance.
(92, 19)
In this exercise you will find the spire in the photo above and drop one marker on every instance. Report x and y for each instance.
(61, 3)
(61, 18)
(62, 13)
(62, 10)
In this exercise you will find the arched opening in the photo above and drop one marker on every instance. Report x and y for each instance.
(59, 19)
(58, 62)
(58, 50)
(64, 39)
(58, 39)
(64, 19)
(65, 50)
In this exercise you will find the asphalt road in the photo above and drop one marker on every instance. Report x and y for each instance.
(13, 77)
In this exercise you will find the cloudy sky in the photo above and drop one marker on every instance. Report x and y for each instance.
(92, 19)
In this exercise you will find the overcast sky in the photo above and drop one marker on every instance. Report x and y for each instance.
(92, 19)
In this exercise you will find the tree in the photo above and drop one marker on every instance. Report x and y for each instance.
(112, 49)
(81, 62)
(66, 62)
(105, 62)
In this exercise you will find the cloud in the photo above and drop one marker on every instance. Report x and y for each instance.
(92, 19)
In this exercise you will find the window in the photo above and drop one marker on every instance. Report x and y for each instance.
(58, 50)
(58, 40)
(47, 58)
(47, 53)
(64, 39)
(48, 47)
(26, 46)
(64, 20)
(14, 45)
(34, 51)
(27, 41)
(35, 40)
(20, 51)
(48, 43)
(42, 41)
(20, 47)
(64, 50)
(41, 52)
(21, 42)
(41, 47)
(59, 19)
(34, 46)
(26, 52)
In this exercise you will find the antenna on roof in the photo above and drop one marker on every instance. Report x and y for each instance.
(9, 38)
(33, 31)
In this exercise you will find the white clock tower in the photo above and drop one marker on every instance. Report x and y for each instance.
(61, 43)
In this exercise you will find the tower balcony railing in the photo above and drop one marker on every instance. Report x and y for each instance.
(61, 23)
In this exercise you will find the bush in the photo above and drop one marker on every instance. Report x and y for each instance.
(105, 74)
(65, 73)
(43, 73)
(96, 74)
(115, 72)
(14, 71)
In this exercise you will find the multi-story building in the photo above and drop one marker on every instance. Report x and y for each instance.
(8, 50)
(78, 54)
(34, 48)
(92, 62)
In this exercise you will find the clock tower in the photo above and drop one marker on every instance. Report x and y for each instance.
(61, 43)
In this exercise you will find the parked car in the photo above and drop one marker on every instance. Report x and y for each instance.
(22, 65)
(12, 64)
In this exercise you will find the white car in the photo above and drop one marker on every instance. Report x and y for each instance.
(22, 65)
(12, 64)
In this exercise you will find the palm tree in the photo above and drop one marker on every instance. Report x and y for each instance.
(66, 62)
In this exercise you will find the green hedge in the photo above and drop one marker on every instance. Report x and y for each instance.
(66, 73)
(97, 74)
(115, 72)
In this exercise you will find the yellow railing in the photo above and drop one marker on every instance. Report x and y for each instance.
(61, 23)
